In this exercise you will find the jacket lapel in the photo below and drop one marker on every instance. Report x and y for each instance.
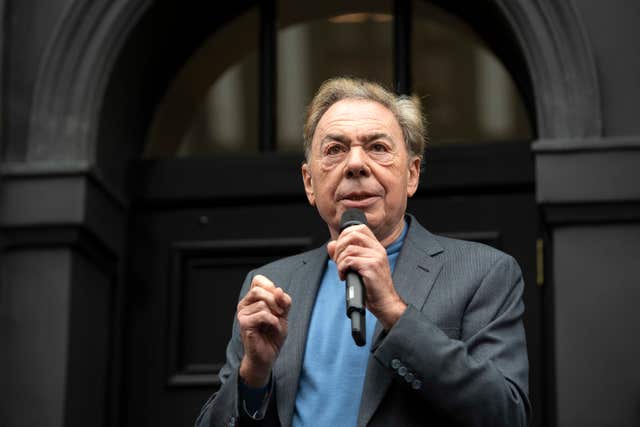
(302, 288)
(414, 275)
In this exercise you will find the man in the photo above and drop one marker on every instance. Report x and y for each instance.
(448, 346)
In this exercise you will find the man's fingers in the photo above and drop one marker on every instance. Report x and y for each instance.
(257, 318)
(331, 248)
(261, 320)
(356, 258)
(263, 281)
(263, 289)
(360, 233)
(283, 299)
(353, 237)
(258, 293)
(254, 308)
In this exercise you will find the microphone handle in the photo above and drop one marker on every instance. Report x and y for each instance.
(355, 299)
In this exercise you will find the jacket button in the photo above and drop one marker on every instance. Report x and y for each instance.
(409, 377)
(416, 384)
(402, 371)
(232, 422)
(395, 364)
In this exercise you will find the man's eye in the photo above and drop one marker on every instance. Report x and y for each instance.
(334, 149)
(379, 147)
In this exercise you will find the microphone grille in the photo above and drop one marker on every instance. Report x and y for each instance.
(351, 217)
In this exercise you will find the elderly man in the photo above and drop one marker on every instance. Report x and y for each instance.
(448, 346)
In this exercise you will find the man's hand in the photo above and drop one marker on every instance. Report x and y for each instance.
(358, 249)
(262, 316)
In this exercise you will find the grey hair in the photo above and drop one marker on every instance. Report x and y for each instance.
(406, 109)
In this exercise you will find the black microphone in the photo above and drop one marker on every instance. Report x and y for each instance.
(355, 290)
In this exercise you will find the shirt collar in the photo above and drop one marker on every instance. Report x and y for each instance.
(396, 245)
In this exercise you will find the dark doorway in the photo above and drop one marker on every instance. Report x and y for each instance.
(212, 203)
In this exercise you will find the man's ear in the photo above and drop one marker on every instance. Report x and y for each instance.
(413, 178)
(308, 184)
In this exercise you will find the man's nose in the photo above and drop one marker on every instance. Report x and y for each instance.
(357, 165)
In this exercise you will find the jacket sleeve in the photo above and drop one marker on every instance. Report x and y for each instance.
(480, 380)
(224, 408)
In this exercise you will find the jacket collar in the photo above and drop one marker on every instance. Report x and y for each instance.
(414, 275)
(302, 288)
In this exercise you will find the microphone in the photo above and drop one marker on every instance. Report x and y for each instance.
(355, 290)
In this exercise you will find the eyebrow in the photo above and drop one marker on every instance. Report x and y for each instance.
(334, 137)
(378, 135)
(367, 138)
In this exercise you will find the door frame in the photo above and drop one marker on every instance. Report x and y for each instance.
(70, 126)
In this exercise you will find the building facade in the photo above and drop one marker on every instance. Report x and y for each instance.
(150, 158)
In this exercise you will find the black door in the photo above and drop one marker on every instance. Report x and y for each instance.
(196, 233)
(200, 223)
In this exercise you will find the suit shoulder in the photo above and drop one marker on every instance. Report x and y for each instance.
(280, 268)
(450, 246)
(470, 264)
(480, 254)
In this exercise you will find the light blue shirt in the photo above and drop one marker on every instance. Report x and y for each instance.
(334, 367)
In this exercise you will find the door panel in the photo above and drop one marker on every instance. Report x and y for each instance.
(187, 268)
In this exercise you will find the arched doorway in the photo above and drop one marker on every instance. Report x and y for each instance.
(96, 80)
(212, 200)
(183, 224)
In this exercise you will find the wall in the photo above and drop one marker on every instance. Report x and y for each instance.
(590, 198)
(597, 324)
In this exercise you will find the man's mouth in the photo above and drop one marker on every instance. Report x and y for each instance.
(358, 200)
(358, 196)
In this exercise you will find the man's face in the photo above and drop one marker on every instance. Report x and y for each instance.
(358, 159)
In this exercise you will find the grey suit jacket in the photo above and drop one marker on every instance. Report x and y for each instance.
(457, 356)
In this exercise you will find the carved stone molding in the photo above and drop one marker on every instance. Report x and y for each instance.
(73, 76)
(561, 66)
(588, 171)
(79, 59)
(59, 205)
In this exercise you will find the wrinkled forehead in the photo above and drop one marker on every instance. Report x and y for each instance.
(358, 116)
